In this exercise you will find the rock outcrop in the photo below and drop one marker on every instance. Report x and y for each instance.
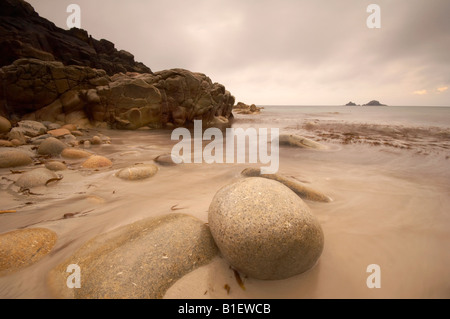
(242, 108)
(67, 77)
(49, 91)
(24, 34)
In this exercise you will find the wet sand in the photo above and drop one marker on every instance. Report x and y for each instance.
(390, 207)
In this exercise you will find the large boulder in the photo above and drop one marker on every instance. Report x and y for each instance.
(264, 229)
(141, 260)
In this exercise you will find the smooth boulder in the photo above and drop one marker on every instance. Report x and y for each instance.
(137, 261)
(55, 166)
(73, 153)
(303, 191)
(5, 125)
(96, 162)
(167, 160)
(32, 128)
(14, 158)
(138, 172)
(36, 177)
(22, 248)
(300, 141)
(51, 146)
(264, 229)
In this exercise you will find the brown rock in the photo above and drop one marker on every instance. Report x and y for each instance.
(95, 162)
(4, 143)
(73, 153)
(14, 158)
(5, 125)
(70, 127)
(55, 166)
(22, 248)
(303, 191)
(51, 146)
(138, 172)
(59, 132)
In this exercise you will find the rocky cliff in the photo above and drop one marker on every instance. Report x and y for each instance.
(50, 74)
(24, 34)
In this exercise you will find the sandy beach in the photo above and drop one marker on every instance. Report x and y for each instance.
(389, 208)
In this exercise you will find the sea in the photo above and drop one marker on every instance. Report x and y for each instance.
(387, 170)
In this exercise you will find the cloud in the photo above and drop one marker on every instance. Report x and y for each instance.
(284, 51)
(442, 89)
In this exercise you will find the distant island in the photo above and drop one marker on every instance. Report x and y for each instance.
(374, 103)
(371, 103)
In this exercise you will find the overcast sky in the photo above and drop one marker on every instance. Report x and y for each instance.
(301, 52)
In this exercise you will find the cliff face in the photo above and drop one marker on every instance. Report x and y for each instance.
(24, 34)
(50, 74)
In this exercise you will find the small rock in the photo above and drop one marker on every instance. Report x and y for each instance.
(55, 166)
(59, 132)
(70, 127)
(73, 153)
(22, 248)
(36, 177)
(166, 160)
(17, 134)
(52, 126)
(300, 141)
(138, 172)
(5, 125)
(32, 128)
(51, 146)
(16, 142)
(87, 144)
(264, 229)
(96, 140)
(301, 190)
(14, 158)
(97, 162)
(77, 133)
(4, 143)
(39, 139)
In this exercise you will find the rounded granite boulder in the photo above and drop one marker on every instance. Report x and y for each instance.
(96, 162)
(36, 177)
(264, 229)
(137, 261)
(14, 158)
(5, 125)
(22, 248)
(138, 172)
(51, 146)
